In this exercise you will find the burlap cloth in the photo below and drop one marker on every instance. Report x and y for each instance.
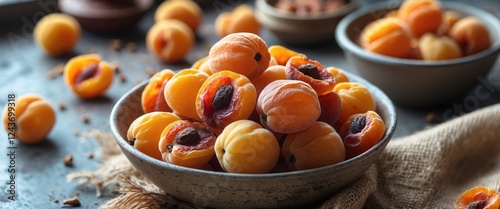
(428, 169)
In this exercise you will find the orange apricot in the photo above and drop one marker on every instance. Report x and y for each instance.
(145, 131)
(361, 132)
(282, 54)
(181, 92)
(246, 147)
(170, 40)
(450, 17)
(433, 47)
(57, 33)
(478, 197)
(152, 97)
(202, 64)
(241, 19)
(421, 16)
(471, 35)
(186, 143)
(338, 74)
(331, 105)
(386, 36)
(187, 11)
(88, 76)
(311, 72)
(225, 97)
(243, 53)
(272, 73)
(355, 97)
(317, 146)
(288, 106)
(28, 118)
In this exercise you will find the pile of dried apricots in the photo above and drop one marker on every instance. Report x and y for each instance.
(248, 108)
(424, 30)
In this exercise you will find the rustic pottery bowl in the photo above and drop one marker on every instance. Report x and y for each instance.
(228, 190)
(416, 83)
(295, 29)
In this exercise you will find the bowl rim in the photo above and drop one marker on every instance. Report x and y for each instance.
(390, 129)
(348, 45)
(268, 9)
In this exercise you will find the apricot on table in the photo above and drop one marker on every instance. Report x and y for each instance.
(312, 72)
(187, 11)
(288, 106)
(30, 118)
(433, 47)
(225, 97)
(246, 147)
(88, 76)
(471, 35)
(170, 40)
(57, 33)
(152, 97)
(145, 131)
(181, 92)
(186, 143)
(243, 53)
(421, 16)
(355, 97)
(361, 132)
(240, 19)
(317, 146)
(478, 197)
(387, 36)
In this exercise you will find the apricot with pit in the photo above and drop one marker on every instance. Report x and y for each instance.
(478, 197)
(361, 132)
(312, 72)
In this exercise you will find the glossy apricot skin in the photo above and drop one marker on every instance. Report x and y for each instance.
(421, 16)
(478, 197)
(312, 72)
(361, 132)
(29, 119)
(240, 19)
(246, 147)
(355, 97)
(57, 33)
(272, 73)
(433, 47)
(187, 11)
(288, 106)
(170, 40)
(317, 146)
(471, 35)
(243, 53)
(240, 104)
(282, 54)
(88, 76)
(181, 92)
(145, 131)
(387, 36)
(152, 97)
(178, 148)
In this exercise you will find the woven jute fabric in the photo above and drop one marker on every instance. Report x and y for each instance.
(428, 169)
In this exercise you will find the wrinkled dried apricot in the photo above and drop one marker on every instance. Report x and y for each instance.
(240, 19)
(225, 97)
(433, 47)
(282, 54)
(386, 36)
(421, 16)
(88, 76)
(355, 97)
(57, 33)
(145, 131)
(479, 197)
(331, 105)
(170, 40)
(181, 92)
(243, 53)
(338, 74)
(152, 97)
(246, 147)
(186, 143)
(361, 132)
(29, 119)
(187, 11)
(288, 106)
(471, 35)
(317, 146)
(311, 72)
(272, 73)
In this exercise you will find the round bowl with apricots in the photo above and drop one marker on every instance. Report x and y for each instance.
(255, 187)
(419, 64)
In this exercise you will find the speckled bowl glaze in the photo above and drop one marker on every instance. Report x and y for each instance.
(416, 83)
(228, 190)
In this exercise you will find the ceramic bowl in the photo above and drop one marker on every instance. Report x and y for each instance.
(417, 83)
(295, 29)
(214, 189)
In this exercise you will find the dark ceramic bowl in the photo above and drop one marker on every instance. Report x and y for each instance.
(213, 189)
(417, 83)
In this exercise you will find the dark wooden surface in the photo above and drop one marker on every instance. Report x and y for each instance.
(40, 175)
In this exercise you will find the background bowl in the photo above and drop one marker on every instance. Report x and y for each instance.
(297, 29)
(229, 190)
(417, 83)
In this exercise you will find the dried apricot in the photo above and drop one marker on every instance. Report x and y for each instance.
(361, 132)
(421, 16)
(331, 105)
(152, 97)
(57, 33)
(450, 17)
(311, 72)
(170, 40)
(387, 36)
(241, 19)
(471, 35)
(187, 11)
(186, 143)
(433, 47)
(246, 147)
(88, 76)
(338, 74)
(282, 54)
(272, 73)
(479, 197)
(355, 97)
(202, 65)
